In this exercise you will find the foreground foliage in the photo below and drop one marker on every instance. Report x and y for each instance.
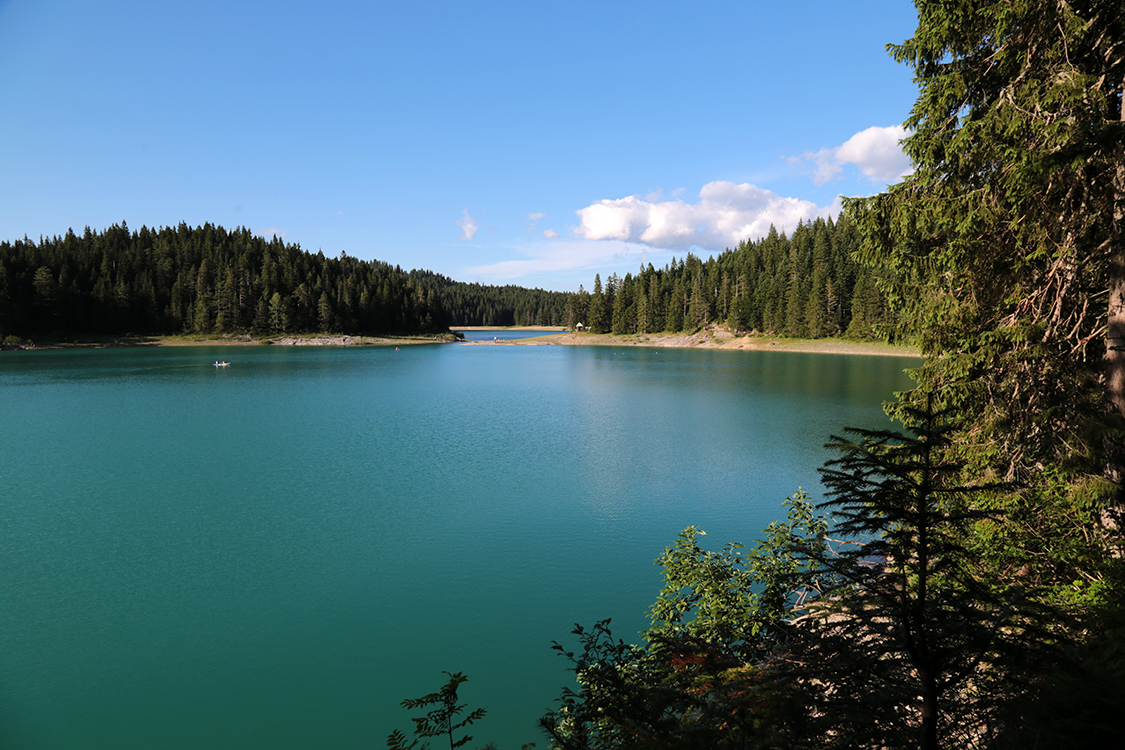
(709, 674)
(970, 591)
(1006, 248)
(918, 644)
(443, 717)
(877, 630)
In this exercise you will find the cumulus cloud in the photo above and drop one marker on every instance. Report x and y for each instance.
(725, 214)
(468, 226)
(550, 234)
(875, 151)
(878, 153)
(272, 232)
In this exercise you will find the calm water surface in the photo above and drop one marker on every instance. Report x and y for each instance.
(276, 553)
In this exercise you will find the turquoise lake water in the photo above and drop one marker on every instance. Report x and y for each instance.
(276, 553)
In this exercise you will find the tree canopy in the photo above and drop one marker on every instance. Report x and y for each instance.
(1005, 245)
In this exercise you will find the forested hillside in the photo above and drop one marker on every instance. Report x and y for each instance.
(211, 280)
(804, 285)
(481, 305)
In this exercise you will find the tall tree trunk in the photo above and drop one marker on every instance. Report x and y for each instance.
(1115, 322)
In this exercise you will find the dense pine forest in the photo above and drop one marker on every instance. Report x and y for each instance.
(805, 285)
(484, 305)
(209, 280)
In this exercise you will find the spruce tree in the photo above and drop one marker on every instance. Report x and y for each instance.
(1004, 256)
(913, 643)
(599, 312)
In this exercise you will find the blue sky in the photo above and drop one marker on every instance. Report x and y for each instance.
(532, 143)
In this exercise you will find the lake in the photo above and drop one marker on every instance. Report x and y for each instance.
(276, 553)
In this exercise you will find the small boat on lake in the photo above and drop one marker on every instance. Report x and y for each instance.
(221, 364)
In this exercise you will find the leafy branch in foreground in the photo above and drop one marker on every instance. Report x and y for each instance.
(710, 673)
(440, 720)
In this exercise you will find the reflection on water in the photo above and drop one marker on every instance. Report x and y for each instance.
(278, 552)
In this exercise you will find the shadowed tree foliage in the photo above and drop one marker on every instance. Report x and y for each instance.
(1006, 257)
(977, 600)
(443, 717)
(913, 641)
(1004, 254)
(883, 630)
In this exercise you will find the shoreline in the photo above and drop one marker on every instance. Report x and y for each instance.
(239, 340)
(711, 338)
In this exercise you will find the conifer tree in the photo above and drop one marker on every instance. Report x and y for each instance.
(1004, 250)
(599, 313)
(1006, 241)
(914, 643)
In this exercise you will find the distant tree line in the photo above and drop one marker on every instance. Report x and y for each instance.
(208, 280)
(481, 305)
(805, 285)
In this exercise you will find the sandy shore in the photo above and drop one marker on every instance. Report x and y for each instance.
(710, 338)
(713, 338)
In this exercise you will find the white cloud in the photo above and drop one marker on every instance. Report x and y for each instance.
(725, 214)
(272, 232)
(559, 256)
(532, 219)
(826, 166)
(876, 151)
(468, 226)
(550, 234)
